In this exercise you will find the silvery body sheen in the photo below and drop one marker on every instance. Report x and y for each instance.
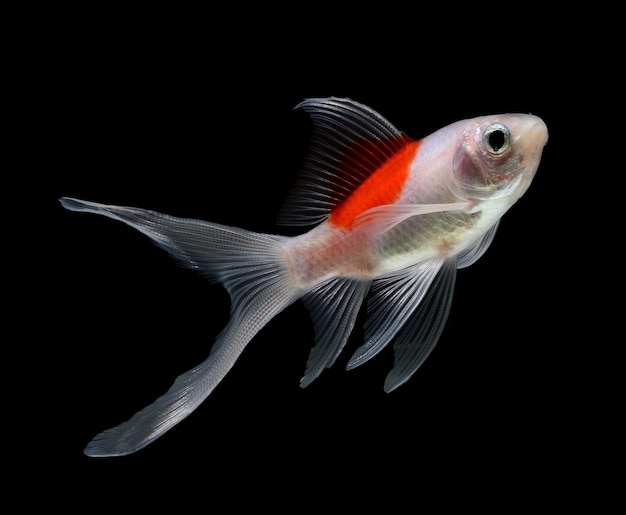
(391, 220)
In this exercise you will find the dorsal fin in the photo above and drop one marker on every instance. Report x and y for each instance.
(349, 143)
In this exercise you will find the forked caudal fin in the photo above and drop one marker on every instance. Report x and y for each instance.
(251, 267)
(399, 216)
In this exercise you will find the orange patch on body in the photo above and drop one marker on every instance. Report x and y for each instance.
(380, 188)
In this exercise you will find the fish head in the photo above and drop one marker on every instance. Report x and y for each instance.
(498, 156)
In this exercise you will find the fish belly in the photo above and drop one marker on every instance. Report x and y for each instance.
(424, 237)
(329, 251)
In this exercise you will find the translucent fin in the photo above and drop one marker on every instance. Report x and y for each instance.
(418, 337)
(393, 299)
(251, 267)
(349, 142)
(216, 251)
(334, 306)
(471, 254)
(381, 219)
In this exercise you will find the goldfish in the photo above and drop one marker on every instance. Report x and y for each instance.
(385, 223)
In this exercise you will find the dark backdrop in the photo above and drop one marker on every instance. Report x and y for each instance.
(195, 118)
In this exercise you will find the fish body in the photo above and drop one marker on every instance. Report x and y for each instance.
(393, 219)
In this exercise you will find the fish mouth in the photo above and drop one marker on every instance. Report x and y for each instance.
(537, 137)
(532, 134)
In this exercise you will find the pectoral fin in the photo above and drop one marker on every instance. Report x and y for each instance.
(381, 219)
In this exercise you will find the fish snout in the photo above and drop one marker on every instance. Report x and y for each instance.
(537, 137)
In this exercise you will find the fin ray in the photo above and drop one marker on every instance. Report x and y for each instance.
(349, 142)
(381, 219)
(252, 268)
(419, 336)
(334, 306)
(392, 301)
(470, 255)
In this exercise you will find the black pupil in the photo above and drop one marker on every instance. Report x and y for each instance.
(496, 139)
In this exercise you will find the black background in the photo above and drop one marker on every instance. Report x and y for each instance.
(191, 114)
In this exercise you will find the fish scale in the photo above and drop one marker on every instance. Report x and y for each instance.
(430, 232)
(391, 220)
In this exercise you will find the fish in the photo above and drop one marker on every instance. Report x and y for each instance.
(382, 223)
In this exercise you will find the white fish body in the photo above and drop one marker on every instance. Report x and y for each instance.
(395, 219)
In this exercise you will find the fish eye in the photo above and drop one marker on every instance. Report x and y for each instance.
(496, 138)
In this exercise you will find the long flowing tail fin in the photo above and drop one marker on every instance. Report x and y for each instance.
(252, 268)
